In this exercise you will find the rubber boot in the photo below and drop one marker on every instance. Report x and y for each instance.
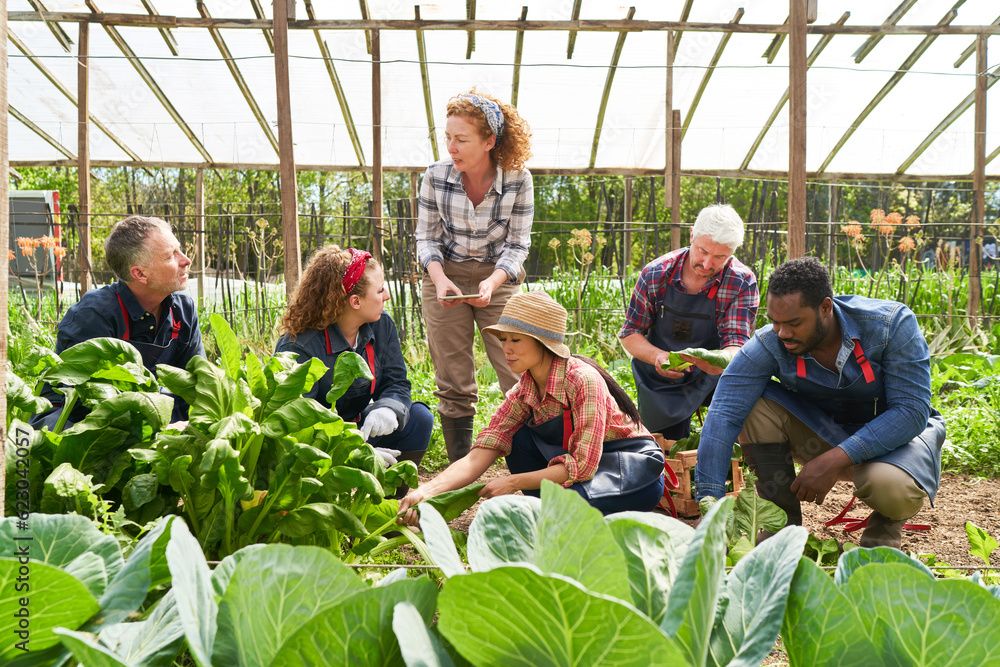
(882, 531)
(457, 433)
(408, 456)
(772, 463)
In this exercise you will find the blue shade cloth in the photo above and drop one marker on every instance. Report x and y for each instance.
(492, 111)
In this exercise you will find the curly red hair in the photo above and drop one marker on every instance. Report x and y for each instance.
(320, 299)
(514, 147)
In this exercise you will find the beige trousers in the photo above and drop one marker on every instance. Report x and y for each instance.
(451, 335)
(888, 490)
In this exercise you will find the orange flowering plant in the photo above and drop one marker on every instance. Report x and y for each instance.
(884, 227)
(39, 262)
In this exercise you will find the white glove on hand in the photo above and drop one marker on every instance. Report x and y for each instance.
(388, 455)
(380, 421)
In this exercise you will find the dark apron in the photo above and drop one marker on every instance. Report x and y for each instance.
(627, 465)
(689, 321)
(151, 351)
(834, 417)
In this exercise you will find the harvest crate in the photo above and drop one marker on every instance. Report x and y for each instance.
(683, 466)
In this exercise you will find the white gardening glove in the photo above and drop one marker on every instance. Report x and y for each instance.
(388, 455)
(380, 421)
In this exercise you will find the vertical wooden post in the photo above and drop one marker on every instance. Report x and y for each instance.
(627, 235)
(675, 190)
(5, 244)
(797, 129)
(199, 233)
(377, 143)
(83, 155)
(978, 184)
(668, 170)
(286, 155)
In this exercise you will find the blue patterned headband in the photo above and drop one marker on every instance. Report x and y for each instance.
(492, 111)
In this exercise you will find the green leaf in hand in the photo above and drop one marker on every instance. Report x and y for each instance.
(716, 358)
(675, 363)
(452, 503)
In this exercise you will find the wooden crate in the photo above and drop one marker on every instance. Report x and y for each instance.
(683, 466)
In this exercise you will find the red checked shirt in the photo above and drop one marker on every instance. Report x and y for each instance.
(596, 416)
(736, 299)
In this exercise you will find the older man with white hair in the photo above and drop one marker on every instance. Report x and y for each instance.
(696, 297)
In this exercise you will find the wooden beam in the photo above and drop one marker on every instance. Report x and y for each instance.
(585, 25)
(259, 13)
(796, 243)
(518, 50)
(971, 48)
(771, 52)
(709, 72)
(366, 16)
(241, 83)
(685, 13)
(668, 158)
(61, 87)
(952, 116)
(338, 89)
(891, 20)
(470, 14)
(46, 17)
(168, 37)
(5, 262)
(896, 77)
(574, 18)
(286, 153)
(619, 45)
(83, 157)
(425, 79)
(978, 185)
(377, 142)
(675, 190)
(150, 81)
(813, 55)
(49, 139)
(199, 231)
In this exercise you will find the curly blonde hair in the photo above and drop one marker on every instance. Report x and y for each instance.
(319, 300)
(514, 147)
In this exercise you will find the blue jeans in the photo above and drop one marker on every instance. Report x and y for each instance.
(414, 437)
(525, 457)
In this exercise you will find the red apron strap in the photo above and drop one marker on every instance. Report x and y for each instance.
(177, 325)
(800, 367)
(329, 349)
(567, 427)
(370, 354)
(124, 316)
(711, 292)
(866, 367)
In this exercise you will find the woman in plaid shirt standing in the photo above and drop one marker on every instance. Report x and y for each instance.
(566, 420)
(473, 228)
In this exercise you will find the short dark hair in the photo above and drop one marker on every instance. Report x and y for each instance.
(806, 276)
(126, 244)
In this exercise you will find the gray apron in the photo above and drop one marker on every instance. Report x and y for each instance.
(835, 414)
(689, 321)
(627, 465)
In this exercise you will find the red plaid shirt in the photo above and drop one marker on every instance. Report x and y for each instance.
(596, 416)
(736, 299)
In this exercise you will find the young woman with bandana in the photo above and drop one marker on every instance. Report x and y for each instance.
(474, 222)
(339, 306)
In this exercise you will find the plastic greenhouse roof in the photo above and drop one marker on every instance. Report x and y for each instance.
(559, 96)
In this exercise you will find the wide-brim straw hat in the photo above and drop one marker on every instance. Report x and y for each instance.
(535, 314)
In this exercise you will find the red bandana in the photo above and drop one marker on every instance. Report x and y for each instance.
(355, 269)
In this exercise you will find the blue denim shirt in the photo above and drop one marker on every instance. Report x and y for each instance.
(392, 387)
(891, 339)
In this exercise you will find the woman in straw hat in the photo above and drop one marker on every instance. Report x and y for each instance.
(339, 306)
(473, 232)
(566, 420)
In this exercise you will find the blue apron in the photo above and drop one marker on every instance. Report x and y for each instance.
(689, 321)
(627, 465)
(835, 414)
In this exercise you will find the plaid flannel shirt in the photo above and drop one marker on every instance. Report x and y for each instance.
(596, 416)
(498, 230)
(736, 299)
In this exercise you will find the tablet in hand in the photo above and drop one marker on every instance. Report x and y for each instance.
(456, 297)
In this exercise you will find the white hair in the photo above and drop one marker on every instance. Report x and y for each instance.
(720, 223)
